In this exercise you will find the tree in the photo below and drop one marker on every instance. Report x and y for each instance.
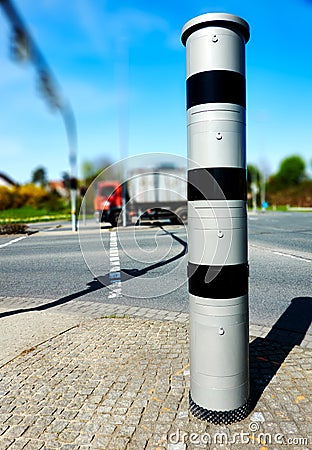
(39, 176)
(91, 169)
(291, 171)
(253, 176)
(88, 170)
(253, 185)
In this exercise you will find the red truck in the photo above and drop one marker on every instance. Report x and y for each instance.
(108, 201)
(150, 195)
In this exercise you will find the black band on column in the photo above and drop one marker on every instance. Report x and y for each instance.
(217, 183)
(216, 86)
(218, 281)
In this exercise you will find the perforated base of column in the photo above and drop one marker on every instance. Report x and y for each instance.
(220, 417)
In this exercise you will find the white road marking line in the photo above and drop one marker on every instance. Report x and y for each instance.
(288, 255)
(13, 241)
(114, 271)
(300, 258)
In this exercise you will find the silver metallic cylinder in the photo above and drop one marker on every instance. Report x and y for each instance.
(217, 217)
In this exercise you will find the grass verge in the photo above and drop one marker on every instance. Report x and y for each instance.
(30, 214)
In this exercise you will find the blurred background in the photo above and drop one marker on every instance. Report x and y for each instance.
(87, 83)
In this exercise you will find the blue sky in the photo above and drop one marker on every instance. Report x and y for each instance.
(121, 64)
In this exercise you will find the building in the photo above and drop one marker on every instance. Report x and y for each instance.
(6, 181)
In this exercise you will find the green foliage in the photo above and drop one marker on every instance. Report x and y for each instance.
(295, 195)
(91, 169)
(88, 170)
(289, 186)
(291, 172)
(253, 182)
(253, 175)
(30, 195)
(39, 176)
(5, 198)
(30, 214)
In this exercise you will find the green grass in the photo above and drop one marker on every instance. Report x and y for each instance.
(282, 208)
(30, 214)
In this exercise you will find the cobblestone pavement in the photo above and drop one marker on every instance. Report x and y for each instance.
(123, 383)
(87, 309)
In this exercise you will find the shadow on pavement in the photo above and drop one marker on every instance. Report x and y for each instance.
(102, 281)
(92, 286)
(266, 355)
(127, 274)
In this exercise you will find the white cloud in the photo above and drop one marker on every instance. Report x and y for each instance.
(106, 28)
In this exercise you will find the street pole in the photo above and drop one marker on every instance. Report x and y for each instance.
(217, 216)
(263, 182)
(122, 76)
(71, 133)
(26, 49)
(254, 191)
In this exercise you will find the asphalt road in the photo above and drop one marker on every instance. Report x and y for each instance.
(280, 257)
(146, 266)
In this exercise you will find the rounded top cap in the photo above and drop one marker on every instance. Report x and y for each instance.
(224, 20)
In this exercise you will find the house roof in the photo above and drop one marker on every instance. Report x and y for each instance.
(7, 179)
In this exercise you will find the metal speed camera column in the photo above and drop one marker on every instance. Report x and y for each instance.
(217, 219)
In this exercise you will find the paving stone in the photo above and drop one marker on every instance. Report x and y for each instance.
(101, 441)
(68, 447)
(34, 445)
(14, 420)
(123, 383)
(6, 442)
(119, 443)
(84, 438)
(15, 431)
(107, 429)
(3, 428)
(19, 444)
(68, 436)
